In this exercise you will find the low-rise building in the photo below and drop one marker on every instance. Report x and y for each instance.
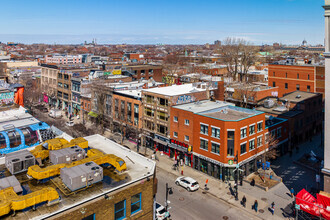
(215, 137)
(303, 110)
(157, 103)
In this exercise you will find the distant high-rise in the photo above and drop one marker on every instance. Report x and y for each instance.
(217, 43)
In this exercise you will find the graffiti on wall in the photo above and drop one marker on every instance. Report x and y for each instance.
(6, 98)
(185, 99)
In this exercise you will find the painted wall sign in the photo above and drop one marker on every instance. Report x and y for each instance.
(185, 99)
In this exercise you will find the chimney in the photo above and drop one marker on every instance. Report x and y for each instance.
(219, 93)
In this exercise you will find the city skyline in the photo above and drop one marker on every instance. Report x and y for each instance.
(147, 22)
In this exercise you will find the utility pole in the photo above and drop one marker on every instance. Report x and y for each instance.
(168, 191)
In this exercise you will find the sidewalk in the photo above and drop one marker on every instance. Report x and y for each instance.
(219, 189)
(278, 194)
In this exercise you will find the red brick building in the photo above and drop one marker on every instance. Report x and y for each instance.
(289, 78)
(224, 136)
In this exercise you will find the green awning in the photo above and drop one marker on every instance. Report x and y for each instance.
(93, 114)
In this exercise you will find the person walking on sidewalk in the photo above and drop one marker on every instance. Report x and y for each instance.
(272, 208)
(255, 205)
(292, 192)
(244, 201)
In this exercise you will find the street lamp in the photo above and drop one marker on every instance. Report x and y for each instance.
(168, 191)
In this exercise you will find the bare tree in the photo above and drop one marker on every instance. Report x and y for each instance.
(99, 102)
(238, 55)
(270, 152)
(31, 91)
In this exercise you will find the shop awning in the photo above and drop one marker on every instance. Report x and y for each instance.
(160, 141)
(183, 149)
(93, 114)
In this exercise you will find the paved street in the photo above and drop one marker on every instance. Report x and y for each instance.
(195, 205)
(294, 175)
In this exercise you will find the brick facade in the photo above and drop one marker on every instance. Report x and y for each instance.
(104, 208)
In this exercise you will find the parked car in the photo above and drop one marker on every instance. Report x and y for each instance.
(187, 182)
(55, 113)
(69, 123)
(160, 212)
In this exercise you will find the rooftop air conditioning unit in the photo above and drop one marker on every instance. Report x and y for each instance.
(269, 103)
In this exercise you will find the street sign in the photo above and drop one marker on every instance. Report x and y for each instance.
(297, 206)
(230, 162)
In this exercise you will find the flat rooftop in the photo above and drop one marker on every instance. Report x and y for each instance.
(138, 168)
(298, 96)
(230, 113)
(131, 93)
(175, 90)
(201, 106)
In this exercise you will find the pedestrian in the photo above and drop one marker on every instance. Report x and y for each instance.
(272, 208)
(292, 192)
(253, 182)
(182, 171)
(244, 201)
(255, 205)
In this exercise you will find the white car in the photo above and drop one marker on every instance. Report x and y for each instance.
(187, 182)
(69, 123)
(160, 212)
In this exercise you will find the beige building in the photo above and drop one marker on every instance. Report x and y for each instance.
(49, 82)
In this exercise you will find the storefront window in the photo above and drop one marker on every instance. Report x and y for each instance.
(203, 166)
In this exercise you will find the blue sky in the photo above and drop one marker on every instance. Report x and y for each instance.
(166, 21)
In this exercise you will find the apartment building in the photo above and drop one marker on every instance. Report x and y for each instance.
(49, 83)
(303, 110)
(157, 103)
(127, 112)
(63, 59)
(143, 71)
(289, 78)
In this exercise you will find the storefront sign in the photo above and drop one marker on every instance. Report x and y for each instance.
(230, 162)
(179, 143)
(161, 138)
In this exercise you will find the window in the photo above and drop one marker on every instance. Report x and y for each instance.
(65, 86)
(175, 119)
(297, 75)
(259, 126)
(204, 144)
(274, 84)
(135, 203)
(279, 133)
(297, 87)
(308, 88)
(186, 138)
(120, 210)
(308, 77)
(266, 137)
(243, 132)
(215, 148)
(175, 134)
(243, 148)
(286, 85)
(186, 122)
(251, 144)
(162, 115)
(230, 143)
(273, 73)
(90, 217)
(204, 129)
(150, 99)
(286, 75)
(163, 102)
(259, 141)
(252, 129)
(216, 132)
(273, 133)
(149, 112)
(162, 129)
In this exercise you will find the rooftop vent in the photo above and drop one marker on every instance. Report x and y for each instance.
(298, 96)
(269, 103)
